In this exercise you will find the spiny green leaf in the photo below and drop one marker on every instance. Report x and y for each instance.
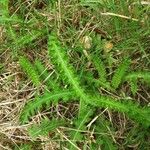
(58, 56)
(120, 73)
(137, 113)
(30, 71)
(134, 86)
(145, 75)
(47, 98)
(100, 68)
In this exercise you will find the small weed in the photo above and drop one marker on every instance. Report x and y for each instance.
(79, 74)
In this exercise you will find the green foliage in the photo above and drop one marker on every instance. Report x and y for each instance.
(131, 109)
(57, 54)
(44, 75)
(133, 78)
(46, 99)
(145, 75)
(30, 71)
(4, 8)
(100, 67)
(46, 126)
(134, 86)
(120, 73)
(59, 58)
